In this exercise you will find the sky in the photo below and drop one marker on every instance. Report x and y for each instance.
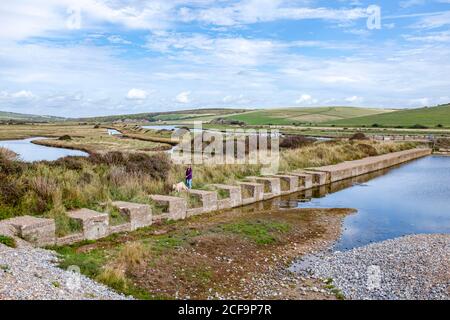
(76, 58)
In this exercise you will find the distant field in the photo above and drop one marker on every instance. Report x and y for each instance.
(26, 117)
(429, 117)
(289, 116)
(176, 116)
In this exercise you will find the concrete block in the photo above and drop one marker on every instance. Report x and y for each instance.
(305, 180)
(234, 198)
(139, 215)
(95, 224)
(208, 200)
(256, 191)
(319, 177)
(291, 181)
(38, 231)
(176, 207)
(273, 184)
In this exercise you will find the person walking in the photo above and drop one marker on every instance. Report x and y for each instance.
(189, 177)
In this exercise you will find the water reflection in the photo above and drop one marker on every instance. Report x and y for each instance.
(407, 199)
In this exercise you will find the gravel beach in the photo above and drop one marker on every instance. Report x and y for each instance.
(410, 267)
(32, 274)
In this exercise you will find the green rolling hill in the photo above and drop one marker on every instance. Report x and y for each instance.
(428, 117)
(289, 116)
(5, 116)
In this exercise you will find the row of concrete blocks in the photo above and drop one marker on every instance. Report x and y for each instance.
(356, 168)
(96, 225)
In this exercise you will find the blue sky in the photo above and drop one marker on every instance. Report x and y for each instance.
(98, 57)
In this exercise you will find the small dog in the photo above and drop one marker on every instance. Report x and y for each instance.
(180, 187)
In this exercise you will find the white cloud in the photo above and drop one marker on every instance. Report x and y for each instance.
(433, 21)
(22, 94)
(431, 37)
(137, 94)
(306, 99)
(118, 40)
(183, 97)
(255, 11)
(353, 99)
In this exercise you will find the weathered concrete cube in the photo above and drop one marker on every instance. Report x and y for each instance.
(274, 185)
(291, 181)
(38, 231)
(95, 224)
(208, 200)
(176, 206)
(319, 177)
(139, 215)
(234, 198)
(305, 180)
(256, 191)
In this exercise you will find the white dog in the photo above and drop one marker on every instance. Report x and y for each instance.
(179, 187)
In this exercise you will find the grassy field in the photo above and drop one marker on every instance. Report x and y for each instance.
(89, 138)
(289, 116)
(429, 117)
(26, 117)
(167, 116)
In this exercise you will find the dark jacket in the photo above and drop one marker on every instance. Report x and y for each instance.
(188, 173)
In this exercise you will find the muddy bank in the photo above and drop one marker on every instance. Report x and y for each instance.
(410, 267)
(230, 255)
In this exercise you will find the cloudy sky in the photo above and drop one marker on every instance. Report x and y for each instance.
(94, 57)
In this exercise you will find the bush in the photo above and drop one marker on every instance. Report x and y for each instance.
(359, 136)
(70, 163)
(65, 138)
(156, 166)
(8, 163)
(11, 190)
(7, 241)
(418, 126)
(367, 149)
(294, 142)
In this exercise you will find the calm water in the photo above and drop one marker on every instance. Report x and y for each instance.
(412, 198)
(30, 152)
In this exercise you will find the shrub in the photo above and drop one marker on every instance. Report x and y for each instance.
(65, 138)
(9, 164)
(358, 136)
(70, 163)
(293, 142)
(7, 241)
(418, 126)
(11, 190)
(156, 165)
(367, 149)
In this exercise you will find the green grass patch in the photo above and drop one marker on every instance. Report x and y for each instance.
(8, 241)
(90, 263)
(431, 117)
(260, 231)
